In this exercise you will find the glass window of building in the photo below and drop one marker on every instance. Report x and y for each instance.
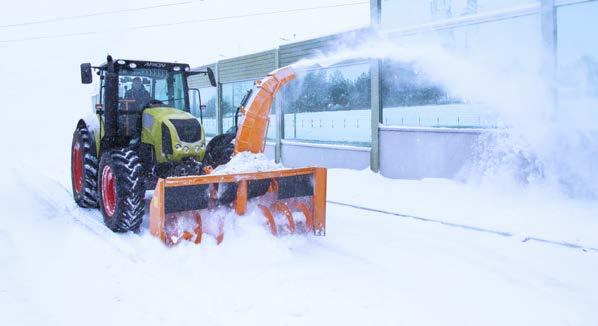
(443, 88)
(411, 98)
(577, 56)
(232, 94)
(209, 96)
(330, 105)
(405, 13)
(511, 44)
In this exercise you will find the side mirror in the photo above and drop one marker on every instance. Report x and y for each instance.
(211, 77)
(86, 76)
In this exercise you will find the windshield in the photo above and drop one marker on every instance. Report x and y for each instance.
(141, 87)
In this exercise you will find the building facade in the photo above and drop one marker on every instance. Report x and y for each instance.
(439, 78)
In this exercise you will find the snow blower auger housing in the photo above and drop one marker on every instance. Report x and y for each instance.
(143, 136)
(179, 205)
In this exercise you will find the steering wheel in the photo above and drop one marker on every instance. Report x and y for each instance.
(154, 103)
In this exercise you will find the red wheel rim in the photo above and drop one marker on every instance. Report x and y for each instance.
(77, 167)
(108, 191)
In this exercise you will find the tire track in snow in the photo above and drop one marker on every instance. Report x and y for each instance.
(53, 196)
(471, 228)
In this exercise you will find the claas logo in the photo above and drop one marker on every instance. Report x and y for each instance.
(155, 65)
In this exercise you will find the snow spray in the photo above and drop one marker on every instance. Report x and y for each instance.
(541, 144)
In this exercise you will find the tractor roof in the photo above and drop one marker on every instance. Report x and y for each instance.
(148, 64)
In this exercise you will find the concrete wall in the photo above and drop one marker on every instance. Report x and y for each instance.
(296, 154)
(405, 153)
(415, 153)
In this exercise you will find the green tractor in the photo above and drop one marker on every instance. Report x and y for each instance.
(142, 130)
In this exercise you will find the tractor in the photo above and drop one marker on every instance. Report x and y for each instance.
(142, 136)
(142, 131)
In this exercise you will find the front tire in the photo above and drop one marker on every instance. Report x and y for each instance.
(84, 169)
(219, 150)
(121, 190)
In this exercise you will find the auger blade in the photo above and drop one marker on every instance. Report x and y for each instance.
(291, 201)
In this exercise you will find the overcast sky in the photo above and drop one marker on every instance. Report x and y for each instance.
(39, 66)
(182, 33)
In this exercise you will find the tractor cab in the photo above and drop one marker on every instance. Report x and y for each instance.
(152, 84)
(143, 85)
(129, 87)
(144, 106)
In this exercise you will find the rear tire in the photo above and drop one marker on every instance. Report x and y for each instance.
(121, 190)
(84, 169)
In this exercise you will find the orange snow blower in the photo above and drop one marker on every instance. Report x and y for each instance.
(287, 200)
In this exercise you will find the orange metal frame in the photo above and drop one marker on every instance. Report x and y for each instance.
(315, 215)
(251, 135)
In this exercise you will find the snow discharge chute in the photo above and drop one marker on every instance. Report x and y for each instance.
(287, 200)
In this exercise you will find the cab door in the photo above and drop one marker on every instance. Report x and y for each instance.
(100, 109)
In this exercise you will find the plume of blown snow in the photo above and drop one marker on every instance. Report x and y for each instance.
(541, 145)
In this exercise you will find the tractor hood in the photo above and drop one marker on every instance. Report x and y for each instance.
(161, 114)
(173, 133)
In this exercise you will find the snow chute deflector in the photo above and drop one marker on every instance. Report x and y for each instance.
(287, 200)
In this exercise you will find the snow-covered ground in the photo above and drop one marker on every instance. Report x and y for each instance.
(518, 212)
(61, 266)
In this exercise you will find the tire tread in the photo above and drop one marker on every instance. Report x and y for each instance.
(128, 171)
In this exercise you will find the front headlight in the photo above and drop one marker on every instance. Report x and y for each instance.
(178, 147)
(186, 149)
(197, 148)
